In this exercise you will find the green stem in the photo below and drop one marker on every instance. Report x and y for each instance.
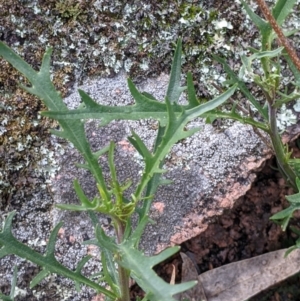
(123, 273)
(285, 168)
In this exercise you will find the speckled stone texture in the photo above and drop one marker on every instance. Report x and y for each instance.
(209, 170)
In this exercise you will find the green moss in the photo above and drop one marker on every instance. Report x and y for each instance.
(68, 9)
(190, 11)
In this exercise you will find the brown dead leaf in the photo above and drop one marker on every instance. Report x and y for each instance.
(243, 279)
(189, 272)
(291, 133)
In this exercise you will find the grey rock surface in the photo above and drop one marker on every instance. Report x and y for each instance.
(209, 171)
(203, 167)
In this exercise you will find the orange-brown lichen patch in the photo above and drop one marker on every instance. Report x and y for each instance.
(126, 146)
(159, 207)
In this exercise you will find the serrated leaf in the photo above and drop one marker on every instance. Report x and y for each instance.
(241, 85)
(175, 131)
(257, 20)
(52, 240)
(212, 104)
(192, 99)
(282, 9)
(79, 267)
(284, 213)
(174, 90)
(82, 197)
(109, 271)
(145, 104)
(38, 278)
(48, 261)
(283, 217)
(11, 296)
(171, 134)
(105, 241)
(141, 268)
(139, 145)
(88, 101)
(148, 95)
(270, 53)
(264, 27)
(294, 198)
(144, 107)
(43, 88)
(214, 114)
(82, 262)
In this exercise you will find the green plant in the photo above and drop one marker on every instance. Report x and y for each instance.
(123, 248)
(13, 287)
(270, 83)
(275, 93)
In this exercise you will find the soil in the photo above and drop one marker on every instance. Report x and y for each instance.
(243, 232)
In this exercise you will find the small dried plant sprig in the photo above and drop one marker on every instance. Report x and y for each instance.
(281, 37)
(270, 84)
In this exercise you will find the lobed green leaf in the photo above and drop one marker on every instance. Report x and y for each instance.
(174, 89)
(10, 245)
(143, 108)
(282, 9)
(11, 296)
(43, 88)
(257, 20)
(284, 216)
(141, 268)
(242, 86)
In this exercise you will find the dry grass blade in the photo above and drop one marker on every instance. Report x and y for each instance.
(243, 279)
